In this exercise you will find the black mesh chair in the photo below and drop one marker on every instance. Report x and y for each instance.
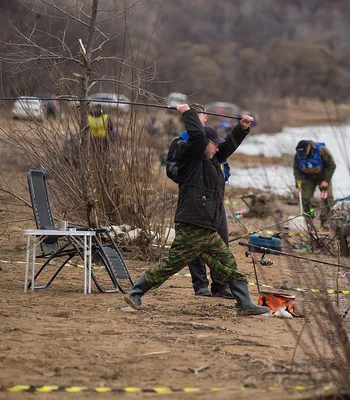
(109, 273)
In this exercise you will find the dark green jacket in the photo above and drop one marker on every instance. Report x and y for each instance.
(325, 175)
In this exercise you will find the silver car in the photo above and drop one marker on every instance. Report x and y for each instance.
(110, 101)
(224, 108)
(28, 108)
(176, 98)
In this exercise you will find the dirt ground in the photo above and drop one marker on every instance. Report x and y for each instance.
(58, 336)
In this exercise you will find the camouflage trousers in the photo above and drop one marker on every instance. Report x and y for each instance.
(192, 242)
(307, 192)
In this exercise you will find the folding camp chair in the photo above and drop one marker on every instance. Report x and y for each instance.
(320, 242)
(104, 249)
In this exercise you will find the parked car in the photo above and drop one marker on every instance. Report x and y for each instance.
(224, 108)
(176, 98)
(28, 108)
(229, 109)
(110, 101)
(69, 100)
(50, 104)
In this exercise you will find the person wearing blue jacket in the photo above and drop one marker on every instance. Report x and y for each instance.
(314, 166)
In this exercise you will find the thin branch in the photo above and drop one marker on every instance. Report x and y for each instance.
(108, 39)
(15, 220)
(69, 15)
(118, 14)
(15, 196)
(47, 55)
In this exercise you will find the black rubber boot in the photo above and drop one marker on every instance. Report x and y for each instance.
(245, 305)
(223, 292)
(134, 296)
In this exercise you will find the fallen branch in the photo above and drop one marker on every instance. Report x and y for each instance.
(198, 370)
(194, 325)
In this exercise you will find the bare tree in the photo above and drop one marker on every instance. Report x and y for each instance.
(124, 184)
(36, 47)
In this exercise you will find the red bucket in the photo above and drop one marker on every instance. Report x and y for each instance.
(276, 301)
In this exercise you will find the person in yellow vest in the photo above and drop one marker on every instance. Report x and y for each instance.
(101, 128)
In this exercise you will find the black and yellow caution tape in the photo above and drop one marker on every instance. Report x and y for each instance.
(103, 389)
(158, 389)
(329, 291)
(39, 264)
(291, 234)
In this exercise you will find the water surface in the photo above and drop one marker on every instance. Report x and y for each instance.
(280, 179)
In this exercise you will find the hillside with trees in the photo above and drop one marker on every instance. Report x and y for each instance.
(214, 51)
(286, 60)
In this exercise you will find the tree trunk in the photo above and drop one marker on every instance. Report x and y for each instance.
(84, 124)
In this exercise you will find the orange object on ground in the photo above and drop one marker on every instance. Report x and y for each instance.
(276, 300)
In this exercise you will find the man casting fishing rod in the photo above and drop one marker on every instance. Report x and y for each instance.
(197, 267)
(199, 212)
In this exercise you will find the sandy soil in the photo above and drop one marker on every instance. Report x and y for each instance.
(58, 336)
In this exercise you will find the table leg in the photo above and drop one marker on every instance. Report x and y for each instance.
(33, 262)
(27, 265)
(89, 263)
(85, 265)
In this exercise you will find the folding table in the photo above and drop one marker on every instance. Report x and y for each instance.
(83, 239)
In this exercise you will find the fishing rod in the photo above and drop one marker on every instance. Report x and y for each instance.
(131, 103)
(308, 214)
(267, 250)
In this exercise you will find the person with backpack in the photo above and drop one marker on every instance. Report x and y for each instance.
(197, 267)
(314, 166)
(199, 212)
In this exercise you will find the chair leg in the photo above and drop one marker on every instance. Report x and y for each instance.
(317, 242)
(48, 283)
(101, 288)
(344, 249)
(115, 247)
(98, 285)
(118, 273)
(98, 249)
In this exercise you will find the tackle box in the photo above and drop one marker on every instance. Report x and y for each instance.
(271, 242)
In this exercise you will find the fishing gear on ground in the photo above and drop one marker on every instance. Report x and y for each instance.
(264, 261)
(267, 250)
(309, 214)
(280, 304)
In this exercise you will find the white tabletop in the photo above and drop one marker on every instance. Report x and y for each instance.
(49, 232)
